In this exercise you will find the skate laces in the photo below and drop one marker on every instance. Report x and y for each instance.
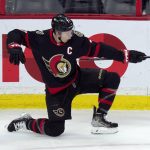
(22, 123)
(19, 125)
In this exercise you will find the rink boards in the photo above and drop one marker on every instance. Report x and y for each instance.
(21, 87)
(80, 102)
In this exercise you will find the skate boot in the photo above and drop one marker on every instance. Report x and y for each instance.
(19, 123)
(100, 125)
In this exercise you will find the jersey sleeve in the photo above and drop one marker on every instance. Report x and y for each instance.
(92, 49)
(85, 47)
(109, 52)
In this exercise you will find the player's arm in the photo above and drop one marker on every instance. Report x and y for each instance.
(109, 52)
(15, 39)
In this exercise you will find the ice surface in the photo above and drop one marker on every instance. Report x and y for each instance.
(134, 132)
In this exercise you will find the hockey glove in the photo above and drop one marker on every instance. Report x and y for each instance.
(136, 56)
(16, 54)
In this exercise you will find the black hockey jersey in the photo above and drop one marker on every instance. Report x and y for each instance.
(57, 62)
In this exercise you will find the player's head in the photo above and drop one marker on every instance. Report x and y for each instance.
(62, 27)
(61, 23)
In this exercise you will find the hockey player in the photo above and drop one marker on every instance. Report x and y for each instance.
(55, 51)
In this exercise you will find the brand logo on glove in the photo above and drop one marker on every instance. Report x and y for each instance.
(60, 112)
(126, 56)
(58, 66)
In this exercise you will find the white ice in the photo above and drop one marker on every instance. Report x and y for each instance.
(134, 132)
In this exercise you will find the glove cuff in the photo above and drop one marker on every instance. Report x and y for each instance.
(126, 56)
(14, 45)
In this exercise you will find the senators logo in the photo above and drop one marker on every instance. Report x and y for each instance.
(58, 66)
(60, 112)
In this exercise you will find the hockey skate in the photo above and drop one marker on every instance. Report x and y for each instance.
(19, 123)
(100, 125)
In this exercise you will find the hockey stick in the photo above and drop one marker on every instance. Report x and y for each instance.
(146, 57)
(97, 59)
(93, 59)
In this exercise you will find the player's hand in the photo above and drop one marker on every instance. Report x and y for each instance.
(16, 56)
(136, 56)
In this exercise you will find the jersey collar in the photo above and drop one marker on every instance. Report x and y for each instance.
(52, 40)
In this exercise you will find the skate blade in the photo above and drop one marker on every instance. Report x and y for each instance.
(103, 130)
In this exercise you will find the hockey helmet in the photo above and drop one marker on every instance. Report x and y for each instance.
(61, 23)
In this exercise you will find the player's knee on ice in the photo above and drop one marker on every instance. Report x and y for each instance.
(54, 128)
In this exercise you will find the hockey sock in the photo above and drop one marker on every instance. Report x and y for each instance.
(106, 99)
(36, 125)
(44, 126)
(108, 92)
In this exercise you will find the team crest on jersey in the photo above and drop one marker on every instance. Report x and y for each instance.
(58, 65)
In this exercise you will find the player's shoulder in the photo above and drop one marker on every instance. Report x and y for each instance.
(42, 32)
(38, 32)
(79, 34)
(79, 39)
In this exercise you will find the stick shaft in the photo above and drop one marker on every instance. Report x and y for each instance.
(146, 57)
(93, 59)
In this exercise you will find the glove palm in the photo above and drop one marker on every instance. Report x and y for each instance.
(136, 56)
(16, 56)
